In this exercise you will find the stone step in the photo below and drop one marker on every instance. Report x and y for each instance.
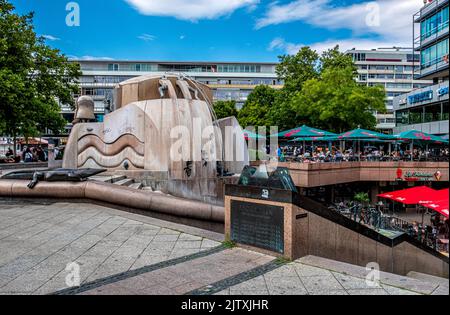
(443, 284)
(124, 182)
(406, 282)
(108, 179)
(136, 186)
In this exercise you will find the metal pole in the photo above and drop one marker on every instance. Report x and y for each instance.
(412, 150)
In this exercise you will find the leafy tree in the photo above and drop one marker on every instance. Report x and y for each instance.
(258, 104)
(320, 91)
(225, 109)
(336, 102)
(295, 70)
(33, 77)
(333, 58)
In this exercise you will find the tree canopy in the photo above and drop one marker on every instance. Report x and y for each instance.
(319, 90)
(33, 78)
(256, 108)
(224, 109)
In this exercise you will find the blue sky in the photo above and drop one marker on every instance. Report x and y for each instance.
(219, 30)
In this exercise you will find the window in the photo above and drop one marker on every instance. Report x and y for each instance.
(432, 113)
(434, 54)
(434, 24)
(113, 67)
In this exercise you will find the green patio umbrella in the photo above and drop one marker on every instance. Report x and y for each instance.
(329, 138)
(415, 135)
(363, 135)
(418, 136)
(303, 131)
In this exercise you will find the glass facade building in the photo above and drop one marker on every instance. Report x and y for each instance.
(229, 81)
(427, 109)
(393, 69)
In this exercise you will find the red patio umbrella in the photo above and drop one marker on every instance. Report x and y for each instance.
(436, 195)
(440, 206)
(410, 196)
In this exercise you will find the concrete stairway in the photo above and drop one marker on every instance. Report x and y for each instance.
(119, 180)
(413, 281)
(442, 283)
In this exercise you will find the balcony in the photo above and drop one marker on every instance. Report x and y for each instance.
(429, 9)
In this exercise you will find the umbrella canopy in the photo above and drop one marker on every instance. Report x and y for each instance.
(363, 134)
(303, 131)
(416, 135)
(313, 139)
(440, 206)
(252, 135)
(410, 196)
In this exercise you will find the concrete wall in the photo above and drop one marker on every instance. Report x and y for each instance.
(328, 239)
(319, 236)
(322, 174)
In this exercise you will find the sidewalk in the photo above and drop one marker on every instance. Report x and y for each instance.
(122, 253)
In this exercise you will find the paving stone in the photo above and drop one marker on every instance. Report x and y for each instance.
(397, 291)
(349, 282)
(286, 286)
(320, 283)
(367, 292)
(310, 271)
(188, 244)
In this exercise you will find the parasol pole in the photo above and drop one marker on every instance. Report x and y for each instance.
(412, 150)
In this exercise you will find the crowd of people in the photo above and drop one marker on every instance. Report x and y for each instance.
(323, 154)
(27, 155)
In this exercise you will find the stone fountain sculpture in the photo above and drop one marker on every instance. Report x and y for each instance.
(141, 137)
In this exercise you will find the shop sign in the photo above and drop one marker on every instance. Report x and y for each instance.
(420, 97)
(417, 176)
(443, 91)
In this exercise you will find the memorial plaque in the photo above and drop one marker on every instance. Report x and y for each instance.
(258, 225)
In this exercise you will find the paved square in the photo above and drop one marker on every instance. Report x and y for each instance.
(43, 245)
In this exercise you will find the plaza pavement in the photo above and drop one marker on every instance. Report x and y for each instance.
(123, 253)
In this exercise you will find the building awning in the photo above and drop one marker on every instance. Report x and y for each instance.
(436, 200)
(410, 196)
(440, 206)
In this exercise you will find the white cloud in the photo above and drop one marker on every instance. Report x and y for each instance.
(147, 37)
(89, 58)
(50, 37)
(374, 24)
(344, 45)
(280, 44)
(191, 10)
(387, 18)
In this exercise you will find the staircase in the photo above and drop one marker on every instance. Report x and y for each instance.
(119, 180)
(414, 281)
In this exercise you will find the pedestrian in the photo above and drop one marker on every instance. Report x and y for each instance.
(28, 156)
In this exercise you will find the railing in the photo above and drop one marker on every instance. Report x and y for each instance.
(374, 218)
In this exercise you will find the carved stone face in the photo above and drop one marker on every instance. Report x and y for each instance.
(85, 109)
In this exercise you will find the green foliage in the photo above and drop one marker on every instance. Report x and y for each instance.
(33, 77)
(282, 261)
(319, 91)
(295, 70)
(228, 244)
(336, 102)
(362, 198)
(225, 109)
(255, 110)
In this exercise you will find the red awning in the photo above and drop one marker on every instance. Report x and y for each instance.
(436, 195)
(410, 196)
(440, 206)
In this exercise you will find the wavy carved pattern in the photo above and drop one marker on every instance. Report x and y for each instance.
(114, 161)
(91, 163)
(111, 149)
